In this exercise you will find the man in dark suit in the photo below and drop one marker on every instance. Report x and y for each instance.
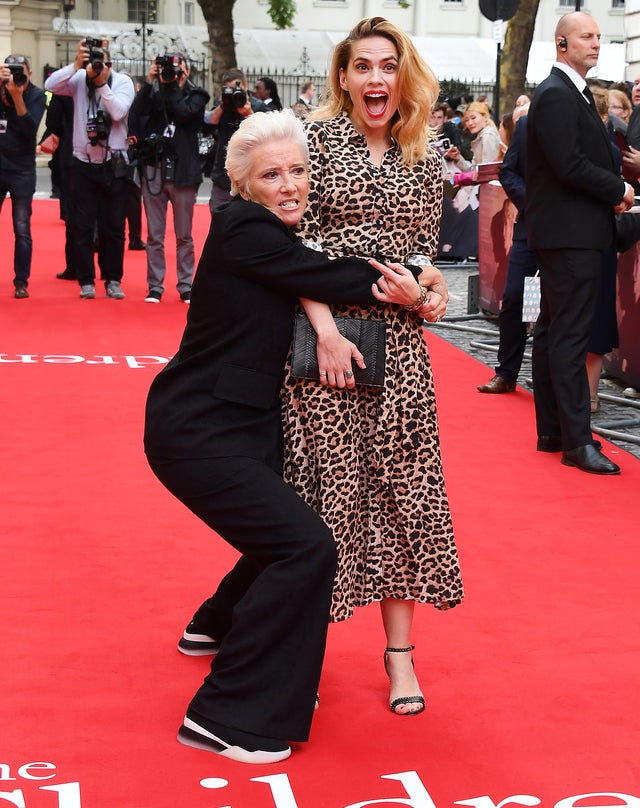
(573, 193)
(522, 264)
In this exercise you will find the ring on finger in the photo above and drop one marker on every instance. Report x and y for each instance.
(348, 374)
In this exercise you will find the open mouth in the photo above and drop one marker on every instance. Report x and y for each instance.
(289, 204)
(376, 103)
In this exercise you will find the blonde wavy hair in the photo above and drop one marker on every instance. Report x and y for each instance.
(481, 108)
(418, 88)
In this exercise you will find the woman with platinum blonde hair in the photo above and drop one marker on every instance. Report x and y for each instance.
(213, 437)
(257, 130)
(486, 144)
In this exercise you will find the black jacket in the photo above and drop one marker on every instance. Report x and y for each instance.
(59, 121)
(219, 395)
(571, 179)
(156, 106)
(512, 176)
(18, 142)
(227, 125)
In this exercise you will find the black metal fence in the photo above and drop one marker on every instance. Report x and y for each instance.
(289, 85)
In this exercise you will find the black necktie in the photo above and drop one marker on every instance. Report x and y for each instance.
(587, 94)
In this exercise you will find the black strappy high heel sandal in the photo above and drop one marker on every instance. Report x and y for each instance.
(403, 699)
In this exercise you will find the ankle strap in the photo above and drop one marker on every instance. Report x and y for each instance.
(399, 650)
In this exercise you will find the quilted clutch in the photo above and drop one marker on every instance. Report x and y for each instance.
(368, 335)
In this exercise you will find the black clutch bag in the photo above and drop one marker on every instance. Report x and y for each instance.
(368, 335)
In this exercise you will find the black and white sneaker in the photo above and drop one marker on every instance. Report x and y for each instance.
(193, 644)
(233, 744)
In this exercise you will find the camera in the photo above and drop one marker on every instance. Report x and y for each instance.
(442, 146)
(98, 127)
(96, 49)
(233, 97)
(16, 66)
(148, 151)
(19, 76)
(169, 67)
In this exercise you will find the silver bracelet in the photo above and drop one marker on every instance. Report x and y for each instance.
(424, 295)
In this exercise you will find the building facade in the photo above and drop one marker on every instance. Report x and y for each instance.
(453, 35)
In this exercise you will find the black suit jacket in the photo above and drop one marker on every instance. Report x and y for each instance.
(219, 395)
(512, 176)
(570, 175)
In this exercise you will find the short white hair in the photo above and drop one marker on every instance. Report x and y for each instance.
(255, 130)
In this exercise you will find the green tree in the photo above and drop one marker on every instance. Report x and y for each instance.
(515, 54)
(218, 15)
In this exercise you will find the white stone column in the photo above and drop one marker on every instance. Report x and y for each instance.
(632, 38)
(420, 18)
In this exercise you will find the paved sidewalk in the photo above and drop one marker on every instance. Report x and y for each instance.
(478, 336)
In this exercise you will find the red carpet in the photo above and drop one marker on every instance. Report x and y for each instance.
(531, 684)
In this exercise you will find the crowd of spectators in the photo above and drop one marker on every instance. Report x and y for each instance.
(464, 128)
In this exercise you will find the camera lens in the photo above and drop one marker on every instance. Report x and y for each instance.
(19, 76)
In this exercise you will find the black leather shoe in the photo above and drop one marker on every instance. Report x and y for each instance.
(67, 275)
(20, 291)
(498, 385)
(137, 244)
(588, 458)
(551, 443)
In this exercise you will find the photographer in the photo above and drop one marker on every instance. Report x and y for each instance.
(233, 106)
(447, 134)
(170, 108)
(101, 101)
(22, 106)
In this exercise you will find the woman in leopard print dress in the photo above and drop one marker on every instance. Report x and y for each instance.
(368, 459)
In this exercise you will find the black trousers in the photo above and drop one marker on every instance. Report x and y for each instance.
(569, 281)
(134, 211)
(100, 199)
(513, 332)
(271, 612)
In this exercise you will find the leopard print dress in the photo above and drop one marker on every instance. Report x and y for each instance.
(368, 459)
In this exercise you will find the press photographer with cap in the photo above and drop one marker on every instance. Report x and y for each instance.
(234, 104)
(171, 108)
(22, 106)
(102, 98)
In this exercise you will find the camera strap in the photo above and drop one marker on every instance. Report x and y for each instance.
(93, 107)
(94, 101)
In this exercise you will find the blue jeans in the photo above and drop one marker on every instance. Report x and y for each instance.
(21, 187)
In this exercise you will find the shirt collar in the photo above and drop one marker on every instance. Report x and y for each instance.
(575, 77)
